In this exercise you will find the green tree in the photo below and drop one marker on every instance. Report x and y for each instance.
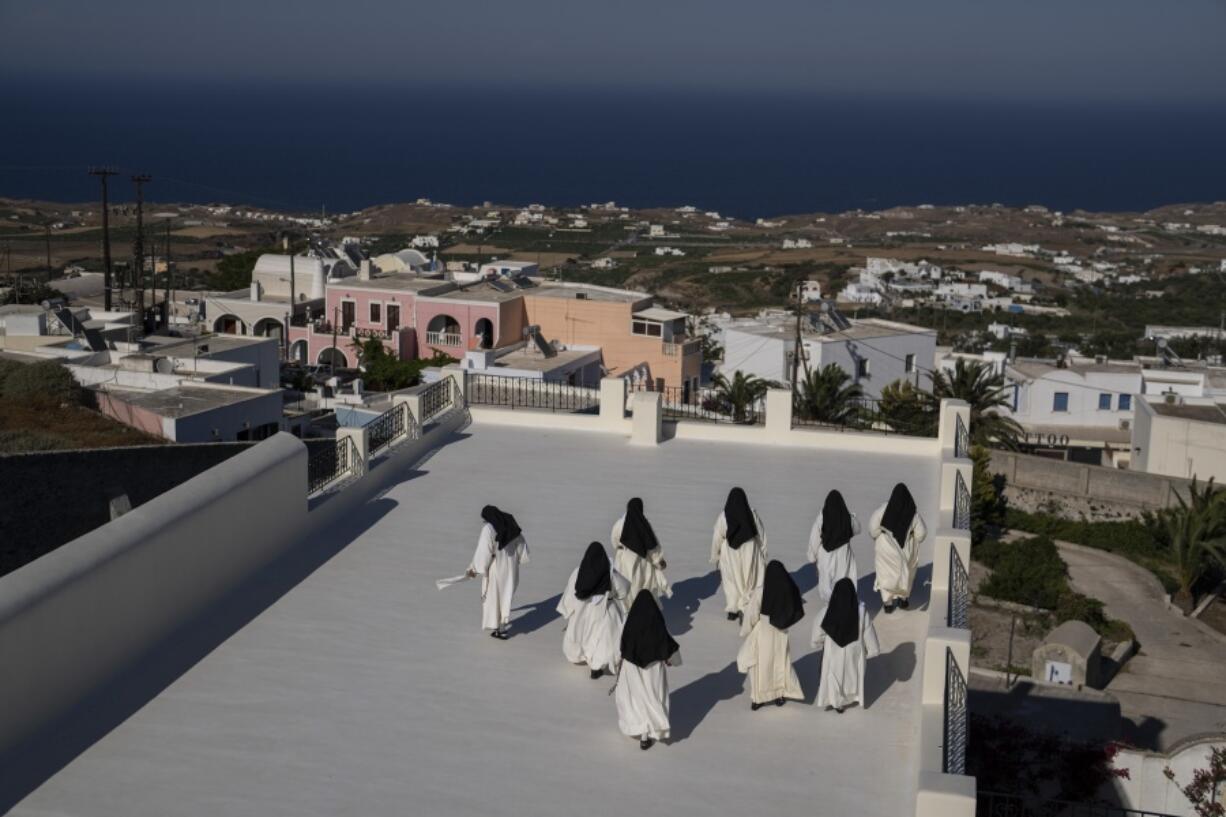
(739, 395)
(827, 395)
(234, 271)
(383, 371)
(45, 382)
(988, 504)
(908, 409)
(1195, 533)
(986, 394)
(703, 330)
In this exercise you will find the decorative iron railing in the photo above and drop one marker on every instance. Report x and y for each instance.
(522, 392)
(995, 804)
(962, 503)
(710, 405)
(962, 439)
(443, 339)
(958, 614)
(864, 414)
(436, 398)
(954, 747)
(387, 428)
(328, 463)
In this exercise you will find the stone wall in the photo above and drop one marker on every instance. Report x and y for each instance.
(1078, 491)
(52, 497)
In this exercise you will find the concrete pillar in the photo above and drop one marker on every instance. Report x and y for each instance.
(947, 540)
(949, 482)
(647, 424)
(412, 404)
(778, 412)
(940, 638)
(951, 410)
(612, 402)
(945, 795)
(361, 441)
(460, 375)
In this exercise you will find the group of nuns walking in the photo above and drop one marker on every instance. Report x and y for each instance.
(614, 623)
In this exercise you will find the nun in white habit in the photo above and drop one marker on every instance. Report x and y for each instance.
(637, 554)
(766, 654)
(500, 550)
(738, 546)
(646, 650)
(591, 605)
(897, 529)
(830, 545)
(849, 641)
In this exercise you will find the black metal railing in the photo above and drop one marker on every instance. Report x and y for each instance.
(954, 748)
(962, 503)
(708, 405)
(958, 614)
(962, 439)
(522, 392)
(436, 398)
(328, 463)
(387, 428)
(995, 804)
(864, 414)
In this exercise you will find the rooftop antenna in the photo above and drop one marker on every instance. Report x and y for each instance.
(103, 173)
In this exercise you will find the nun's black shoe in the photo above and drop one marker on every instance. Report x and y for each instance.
(733, 616)
(596, 673)
(905, 604)
(888, 608)
(754, 707)
(778, 702)
(646, 743)
(500, 635)
(839, 709)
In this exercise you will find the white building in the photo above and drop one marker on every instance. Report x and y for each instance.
(494, 269)
(797, 244)
(855, 293)
(655, 231)
(605, 262)
(1180, 437)
(1013, 283)
(873, 352)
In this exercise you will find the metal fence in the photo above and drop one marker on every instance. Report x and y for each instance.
(387, 427)
(954, 748)
(962, 503)
(328, 463)
(522, 392)
(962, 439)
(864, 414)
(994, 804)
(709, 405)
(958, 614)
(437, 398)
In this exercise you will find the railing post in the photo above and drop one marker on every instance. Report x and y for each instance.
(647, 424)
(951, 410)
(460, 375)
(360, 437)
(778, 412)
(612, 403)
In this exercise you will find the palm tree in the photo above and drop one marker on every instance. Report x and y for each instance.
(908, 409)
(826, 395)
(986, 394)
(1195, 532)
(740, 394)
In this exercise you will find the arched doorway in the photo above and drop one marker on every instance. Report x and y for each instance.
(230, 325)
(443, 330)
(268, 328)
(483, 334)
(334, 358)
(298, 351)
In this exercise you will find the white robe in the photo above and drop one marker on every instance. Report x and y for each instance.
(642, 698)
(644, 574)
(843, 668)
(499, 572)
(895, 565)
(740, 569)
(593, 625)
(766, 656)
(832, 566)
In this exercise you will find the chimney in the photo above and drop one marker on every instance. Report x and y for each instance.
(364, 270)
(255, 290)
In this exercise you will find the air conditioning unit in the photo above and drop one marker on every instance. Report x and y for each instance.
(1125, 425)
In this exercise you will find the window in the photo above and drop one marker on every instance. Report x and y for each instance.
(653, 330)
(376, 313)
(1104, 402)
(1060, 401)
(862, 368)
(909, 364)
(393, 317)
(1125, 402)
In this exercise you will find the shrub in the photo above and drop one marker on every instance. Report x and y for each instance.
(1028, 571)
(7, 367)
(42, 382)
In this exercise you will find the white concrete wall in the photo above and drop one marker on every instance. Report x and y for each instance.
(1035, 400)
(77, 616)
(1176, 447)
(886, 357)
(1147, 787)
(229, 421)
(765, 357)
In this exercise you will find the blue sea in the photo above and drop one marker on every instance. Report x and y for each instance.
(748, 155)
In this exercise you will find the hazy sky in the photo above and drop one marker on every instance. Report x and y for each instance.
(1142, 50)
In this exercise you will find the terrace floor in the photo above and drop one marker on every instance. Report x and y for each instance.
(364, 690)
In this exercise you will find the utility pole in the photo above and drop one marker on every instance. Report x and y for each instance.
(336, 318)
(103, 173)
(47, 238)
(168, 300)
(138, 249)
(797, 345)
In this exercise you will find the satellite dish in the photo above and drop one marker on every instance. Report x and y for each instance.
(164, 365)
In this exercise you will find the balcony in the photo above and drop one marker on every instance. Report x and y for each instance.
(443, 339)
(683, 349)
(374, 332)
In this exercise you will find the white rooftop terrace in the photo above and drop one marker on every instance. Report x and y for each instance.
(364, 689)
